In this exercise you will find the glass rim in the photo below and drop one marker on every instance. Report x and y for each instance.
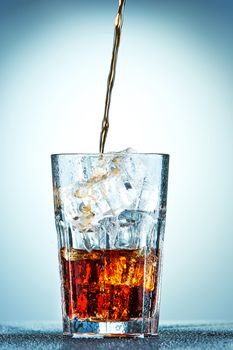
(109, 154)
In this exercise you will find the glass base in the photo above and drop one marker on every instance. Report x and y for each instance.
(137, 328)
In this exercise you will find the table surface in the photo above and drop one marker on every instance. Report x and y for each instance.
(48, 336)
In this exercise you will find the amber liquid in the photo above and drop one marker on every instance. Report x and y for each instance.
(112, 73)
(108, 285)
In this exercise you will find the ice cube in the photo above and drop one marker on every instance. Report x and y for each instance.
(101, 236)
(134, 168)
(90, 240)
(123, 183)
(87, 167)
(135, 228)
(138, 177)
(149, 196)
(107, 230)
(118, 192)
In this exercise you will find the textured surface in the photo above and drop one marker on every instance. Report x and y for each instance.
(171, 336)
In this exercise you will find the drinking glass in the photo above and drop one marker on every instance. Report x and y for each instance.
(110, 212)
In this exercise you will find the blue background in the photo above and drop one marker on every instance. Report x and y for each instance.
(173, 94)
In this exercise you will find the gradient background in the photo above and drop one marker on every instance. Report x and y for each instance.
(173, 94)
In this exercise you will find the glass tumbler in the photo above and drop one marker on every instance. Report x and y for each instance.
(110, 212)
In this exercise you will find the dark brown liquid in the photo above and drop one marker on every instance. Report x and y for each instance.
(108, 285)
(112, 73)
